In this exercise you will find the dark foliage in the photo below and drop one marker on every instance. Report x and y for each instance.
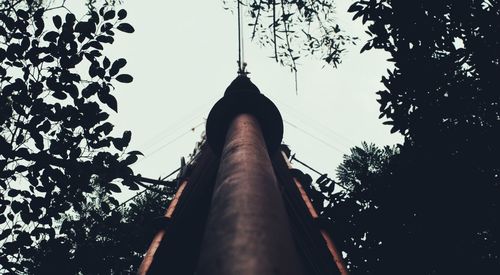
(287, 27)
(433, 208)
(56, 146)
(352, 211)
(98, 241)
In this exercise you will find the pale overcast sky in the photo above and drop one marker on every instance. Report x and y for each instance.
(183, 55)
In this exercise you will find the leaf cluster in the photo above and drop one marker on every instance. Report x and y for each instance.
(433, 207)
(295, 28)
(100, 241)
(56, 144)
(444, 87)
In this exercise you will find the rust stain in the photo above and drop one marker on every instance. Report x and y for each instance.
(306, 199)
(337, 256)
(247, 230)
(155, 243)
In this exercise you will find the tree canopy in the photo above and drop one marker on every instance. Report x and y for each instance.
(101, 241)
(432, 208)
(56, 145)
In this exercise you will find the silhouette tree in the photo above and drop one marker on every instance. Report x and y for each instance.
(434, 208)
(97, 241)
(350, 213)
(443, 202)
(55, 143)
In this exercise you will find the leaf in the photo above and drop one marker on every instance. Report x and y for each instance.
(358, 14)
(101, 10)
(114, 188)
(366, 47)
(124, 78)
(94, 44)
(93, 68)
(70, 18)
(16, 206)
(22, 14)
(85, 28)
(57, 21)
(21, 168)
(40, 25)
(110, 101)
(105, 128)
(109, 15)
(122, 14)
(106, 63)
(121, 143)
(13, 193)
(117, 65)
(105, 39)
(19, 139)
(113, 201)
(131, 159)
(105, 207)
(26, 217)
(59, 95)
(51, 36)
(106, 26)
(72, 90)
(65, 226)
(5, 233)
(354, 7)
(127, 135)
(125, 27)
(90, 90)
(136, 153)
(3, 32)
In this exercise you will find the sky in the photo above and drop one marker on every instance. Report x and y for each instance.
(183, 54)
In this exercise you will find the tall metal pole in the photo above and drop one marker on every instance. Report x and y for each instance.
(247, 230)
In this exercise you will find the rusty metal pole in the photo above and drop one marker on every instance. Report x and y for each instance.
(247, 231)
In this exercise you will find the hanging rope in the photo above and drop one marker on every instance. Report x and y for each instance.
(241, 49)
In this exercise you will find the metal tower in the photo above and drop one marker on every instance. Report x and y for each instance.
(241, 209)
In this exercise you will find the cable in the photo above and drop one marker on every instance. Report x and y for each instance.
(317, 172)
(172, 141)
(153, 181)
(131, 198)
(169, 130)
(152, 189)
(138, 194)
(317, 124)
(313, 136)
(176, 170)
(310, 168)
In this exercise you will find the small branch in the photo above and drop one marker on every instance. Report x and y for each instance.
(256, 20)
(294, 66)
(15, 131)
(274, 31)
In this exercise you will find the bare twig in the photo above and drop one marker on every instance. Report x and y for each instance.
(274, 31)
(287, 38)
(256, 20)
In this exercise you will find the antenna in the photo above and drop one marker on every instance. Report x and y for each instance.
(241, 50)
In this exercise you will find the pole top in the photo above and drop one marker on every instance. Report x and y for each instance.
(242, 96)
(241, 84)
